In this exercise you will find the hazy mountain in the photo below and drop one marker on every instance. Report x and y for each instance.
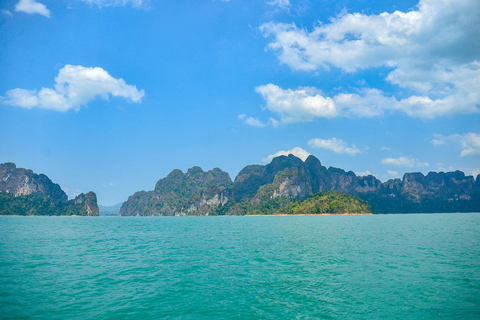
(110, 210)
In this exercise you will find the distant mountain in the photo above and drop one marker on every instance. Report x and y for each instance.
(193, 193)
(110, 210)
(23, 192)
(264, 189)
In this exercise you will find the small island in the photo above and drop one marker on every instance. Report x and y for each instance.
(332, 202)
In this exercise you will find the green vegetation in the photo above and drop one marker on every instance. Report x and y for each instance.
(41, 205)
(332, 202)
(401, 202)
(289, 185)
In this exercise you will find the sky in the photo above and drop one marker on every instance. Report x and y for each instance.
(112, 95)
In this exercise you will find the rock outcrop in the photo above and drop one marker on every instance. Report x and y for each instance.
(23, 192)
(23, 182)
(196, 192)
(265, 188)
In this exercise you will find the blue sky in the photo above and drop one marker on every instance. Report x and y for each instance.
(110, 95)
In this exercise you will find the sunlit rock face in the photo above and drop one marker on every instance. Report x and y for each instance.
(24, 192)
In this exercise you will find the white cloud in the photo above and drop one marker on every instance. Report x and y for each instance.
(117, 3)
(431, 50)
(469, 142)
(31, 7)
(110, 184)
(307, 103)
(283, 4)
(405, 162)
(7, 13)
(393, 173)
(297, 152)
(474, 172)
(254, 122)
(300, 105)
(363, 174)
(335, 145)
(75, 86)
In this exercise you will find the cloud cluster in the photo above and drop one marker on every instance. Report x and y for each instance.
(31, 7)
(469, 142)
(297, 152)
(431, 50)
(393, 173)
(282, 4)
(75, 86)
(307, 103)
(335, 145)
(404, 162)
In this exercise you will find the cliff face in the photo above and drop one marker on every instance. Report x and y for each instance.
(87, 203)
(23, 192)
(258, 189)
(196, 192)
(294, 179)
(23, 182)
(435, 192)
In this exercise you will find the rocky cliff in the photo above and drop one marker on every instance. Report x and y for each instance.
(23, 182)
(435, 192)
(195, 192)
(23, 192)
(294, 179)
(261, 189)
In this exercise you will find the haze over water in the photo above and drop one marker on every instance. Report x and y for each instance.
(330, 267)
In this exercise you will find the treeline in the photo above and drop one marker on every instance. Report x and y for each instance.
(38, 205)
(332, 202)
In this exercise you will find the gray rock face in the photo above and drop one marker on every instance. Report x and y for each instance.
(195, 192)
(22, 182)
(88, 203)
(27, 193)
(199, 193)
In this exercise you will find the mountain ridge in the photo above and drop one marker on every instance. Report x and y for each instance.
(287, 178)
(23, 192)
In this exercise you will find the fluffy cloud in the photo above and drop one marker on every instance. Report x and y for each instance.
(255, 122)
(335, 145)
(297, 152)
(363, 174)
(431, 51)
(117, 3)
(283, 4)
(307, 103)
(31, 7)
(469, 142)
(300, 105)
(404, 162)
(75, 86)
(393, 173)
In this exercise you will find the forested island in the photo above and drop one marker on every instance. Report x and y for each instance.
(266, 189)
(25, 193)
(287, 185)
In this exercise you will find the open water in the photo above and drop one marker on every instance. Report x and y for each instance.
(309, 267)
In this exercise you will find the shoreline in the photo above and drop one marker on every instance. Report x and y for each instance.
(308, 214)
(247, 215)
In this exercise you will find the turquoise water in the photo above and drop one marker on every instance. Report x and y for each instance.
(329, 267)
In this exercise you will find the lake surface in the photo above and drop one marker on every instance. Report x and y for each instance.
(329, 267)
